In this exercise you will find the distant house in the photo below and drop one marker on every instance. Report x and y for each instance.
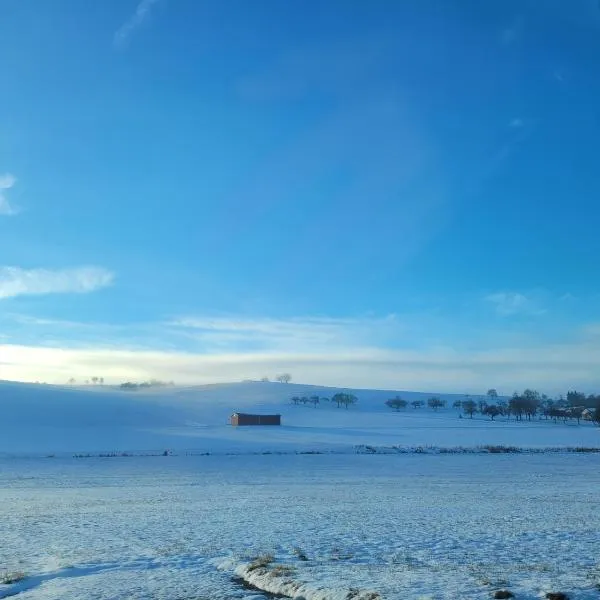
(239, 419)
(588, 414)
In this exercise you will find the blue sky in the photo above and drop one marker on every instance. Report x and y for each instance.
(388, 194)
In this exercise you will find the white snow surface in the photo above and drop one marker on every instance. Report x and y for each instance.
(43, 419)
(411, 526)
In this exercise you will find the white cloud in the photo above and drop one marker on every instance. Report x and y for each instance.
(514, 303)
(294, 334)
(15, 281)
(141, 13)
(7, 181)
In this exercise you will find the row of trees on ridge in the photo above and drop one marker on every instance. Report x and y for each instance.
(340, 399)
(522, 406)
(397, 403)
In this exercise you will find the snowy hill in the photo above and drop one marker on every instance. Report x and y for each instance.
(55, 419)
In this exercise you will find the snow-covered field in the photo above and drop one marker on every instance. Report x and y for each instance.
(397, 523)
(405, 526)
(51, 420)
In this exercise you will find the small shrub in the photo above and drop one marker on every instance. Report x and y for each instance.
(354, 592)
(261, 562)
(9, 577)
(282, 570)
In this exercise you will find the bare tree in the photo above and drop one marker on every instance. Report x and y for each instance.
(530, 402)
(284, 378)
(492, 410)
(349, 399)
(397, 403)
(492, 395)
(470, 407)
(345, 399)
(435, 403)
(577, 412)
(416, 403)
(575, 398)
(546, 405)
(314, 400)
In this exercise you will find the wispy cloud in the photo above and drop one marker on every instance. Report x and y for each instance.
(15, 281)
(516, 123)
(33, 321)
(514, 303)
(139, 16)
(293, 334)
(366, 351)
(7, 181)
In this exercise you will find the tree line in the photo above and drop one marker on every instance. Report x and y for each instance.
(397, 403)
(521, 406)
(340, 399)
(127, 385)
(132, 386)
(93, 380)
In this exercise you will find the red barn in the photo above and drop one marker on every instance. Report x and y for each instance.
(238, 419)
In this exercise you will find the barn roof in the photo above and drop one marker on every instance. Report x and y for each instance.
(239, 414)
